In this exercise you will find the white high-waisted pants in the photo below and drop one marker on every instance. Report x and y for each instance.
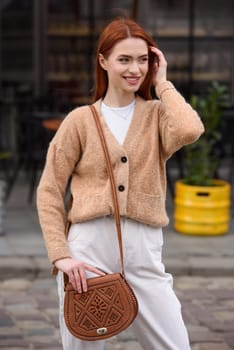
(159, 324)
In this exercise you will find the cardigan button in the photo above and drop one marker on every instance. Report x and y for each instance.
(124, 159)
(121, 188)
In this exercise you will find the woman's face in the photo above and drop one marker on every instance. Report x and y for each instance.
(127, 65)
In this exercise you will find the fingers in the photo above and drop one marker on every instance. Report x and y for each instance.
(82, 287)
(96, 270)
(74, 278)
(160, 55)
(77, 275)
(160, 72)
(76, 271)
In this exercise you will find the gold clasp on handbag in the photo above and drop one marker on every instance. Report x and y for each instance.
(101, 331)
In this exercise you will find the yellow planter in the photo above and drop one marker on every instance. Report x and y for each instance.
(202, 210)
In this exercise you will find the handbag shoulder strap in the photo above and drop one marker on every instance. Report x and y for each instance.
(113, 186)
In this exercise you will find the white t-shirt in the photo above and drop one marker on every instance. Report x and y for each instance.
(118, 119)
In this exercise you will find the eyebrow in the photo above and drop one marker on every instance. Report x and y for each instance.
(128, 56)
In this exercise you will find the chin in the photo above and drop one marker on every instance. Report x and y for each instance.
(132, 89)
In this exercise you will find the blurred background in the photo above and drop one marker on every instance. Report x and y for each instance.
(47, 51)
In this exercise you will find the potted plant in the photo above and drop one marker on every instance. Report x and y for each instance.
(202, 202)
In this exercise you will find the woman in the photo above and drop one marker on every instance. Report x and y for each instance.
(141, 134)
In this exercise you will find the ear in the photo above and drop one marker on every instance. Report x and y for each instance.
(102, 61)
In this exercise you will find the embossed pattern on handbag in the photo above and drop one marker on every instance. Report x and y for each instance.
(110, 305)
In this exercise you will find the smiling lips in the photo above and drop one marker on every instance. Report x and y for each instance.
(132, 80)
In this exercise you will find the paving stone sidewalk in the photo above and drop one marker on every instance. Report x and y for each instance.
(29, 314)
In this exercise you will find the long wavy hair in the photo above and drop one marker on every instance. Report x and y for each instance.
(117, 30)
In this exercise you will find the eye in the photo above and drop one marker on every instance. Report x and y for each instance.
(143, 59)
(123, 59)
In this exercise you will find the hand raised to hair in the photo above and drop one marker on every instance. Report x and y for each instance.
(160, 68)
(76, 272)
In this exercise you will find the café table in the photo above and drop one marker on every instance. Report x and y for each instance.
(52, 124)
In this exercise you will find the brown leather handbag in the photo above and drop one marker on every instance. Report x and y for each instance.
(110, 305)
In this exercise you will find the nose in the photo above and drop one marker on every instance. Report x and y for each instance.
(134, 67)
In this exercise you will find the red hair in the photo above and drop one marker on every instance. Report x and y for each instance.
(117, 30)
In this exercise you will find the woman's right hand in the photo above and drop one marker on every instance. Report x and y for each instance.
(76, 272)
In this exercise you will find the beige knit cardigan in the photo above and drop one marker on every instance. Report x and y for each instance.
(158, 129)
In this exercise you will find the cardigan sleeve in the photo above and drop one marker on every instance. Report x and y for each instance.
(179, 123)
(62, 156)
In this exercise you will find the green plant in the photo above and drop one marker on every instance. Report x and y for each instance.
(201, 160)
(5, 155)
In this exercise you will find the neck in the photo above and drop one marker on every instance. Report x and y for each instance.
(117, 100)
